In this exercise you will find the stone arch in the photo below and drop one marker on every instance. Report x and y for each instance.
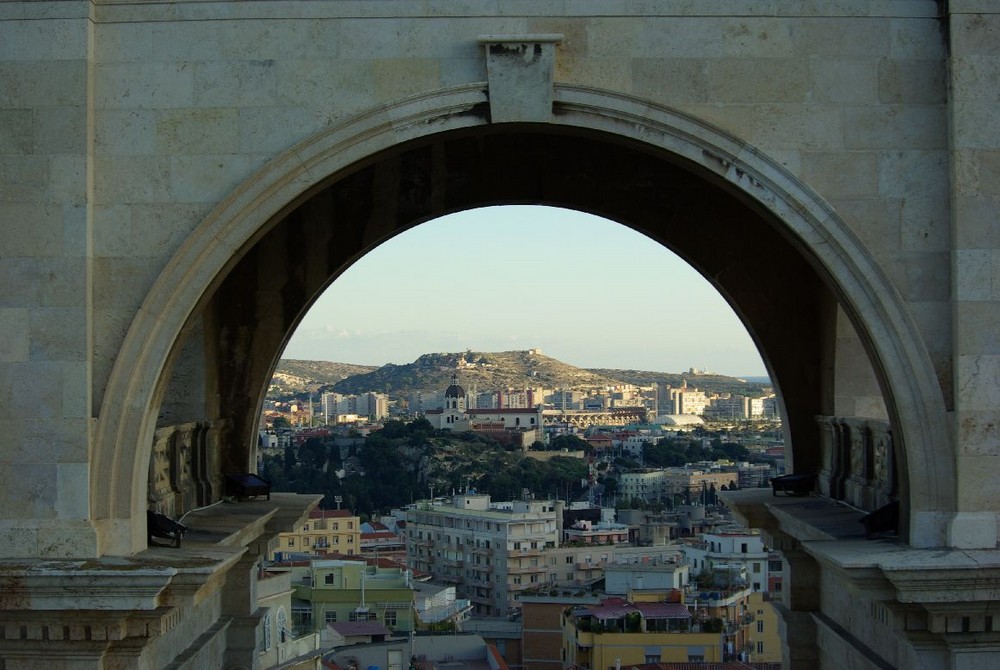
(127, 417)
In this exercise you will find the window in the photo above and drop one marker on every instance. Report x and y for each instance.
(305, 542)
(390, 618)
(760, 626)
(760, 647)
(335, 526)
(756, 568)
(330, 616)
(569, 560)
(305, 528)
(291, 542)
(743, 548)
(336, 539)
(267, 629)
(328, 578)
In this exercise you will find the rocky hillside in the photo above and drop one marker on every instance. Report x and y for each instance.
(295, 376)
(483, 370)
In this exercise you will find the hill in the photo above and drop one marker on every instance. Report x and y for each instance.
(297, 376)
(475, 369)
(483, 371)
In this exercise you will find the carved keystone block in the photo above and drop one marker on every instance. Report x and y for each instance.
(520, 70)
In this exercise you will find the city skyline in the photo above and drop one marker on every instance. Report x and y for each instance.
(585, 290)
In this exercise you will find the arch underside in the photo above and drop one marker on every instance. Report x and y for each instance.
(781, 259)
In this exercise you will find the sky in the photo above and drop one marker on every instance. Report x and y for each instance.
(585, 290)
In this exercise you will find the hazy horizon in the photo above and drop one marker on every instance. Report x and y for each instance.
(585, 290)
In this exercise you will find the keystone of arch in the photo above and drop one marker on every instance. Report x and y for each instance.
(127, 419)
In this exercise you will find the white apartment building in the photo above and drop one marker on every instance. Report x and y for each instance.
(492, 552)
(737, 554)
(368, 405)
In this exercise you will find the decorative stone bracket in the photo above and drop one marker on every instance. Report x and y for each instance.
(520, 70)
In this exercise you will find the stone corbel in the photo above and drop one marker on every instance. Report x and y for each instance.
(520, 71)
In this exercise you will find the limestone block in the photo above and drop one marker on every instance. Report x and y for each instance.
(977, 172)
(125, 132)
(51, 39)
(68, 180)
(978, 382)
(974, 33)
(31, 390)
(921, 275)
(973, 530)
(29, 490)
(674, 81)
(799, 127)
(758, 80)
(198, 131)
(31, 230)
(875, 220)
(977, 433)
(977, 127)
(917, 39)
(17, 131)
(28, 84)
(843, 81)
(976, 222)
(26, 178)
(56, 439)
(143, 230)
(110, 325)
(394, 79)
(131, 179)
(825, 37)
(973, 274)
(739, 121)
(73, 486)
(14, 335)
(310, 91)
(60, 130)
(122, 282)
(892, 126)
(978, 330)
(838, 174)
(47, 282)
(235, 83)
(978, 472)
(150, 85)
(912, 81)
(58, 334)
(210, 178)
(158, 229)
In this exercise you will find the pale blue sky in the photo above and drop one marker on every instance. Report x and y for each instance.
(584, 290)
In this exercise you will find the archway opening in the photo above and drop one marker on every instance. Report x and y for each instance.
(777, 288)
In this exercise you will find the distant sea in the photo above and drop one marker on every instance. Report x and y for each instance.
(758, 380)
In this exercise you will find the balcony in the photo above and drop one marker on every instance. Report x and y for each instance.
(518, 553)
(485, 551)
(590, 566)
(525, 569)
(452, 562)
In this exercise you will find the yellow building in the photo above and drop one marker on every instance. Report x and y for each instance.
(617, 631)
(325, 532)
(764, 644)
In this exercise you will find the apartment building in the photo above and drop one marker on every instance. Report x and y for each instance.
(492, 552)
(326, 531)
